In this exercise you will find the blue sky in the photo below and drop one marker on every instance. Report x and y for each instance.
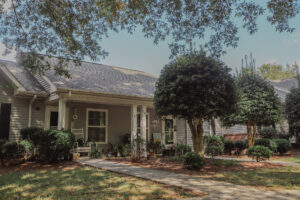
(136, 52)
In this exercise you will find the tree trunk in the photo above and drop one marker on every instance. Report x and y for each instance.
(249, 134)
(196, 126)
(254, 134)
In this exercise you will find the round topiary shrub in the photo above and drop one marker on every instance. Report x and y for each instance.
(268, 133)
(259, 153)
(181, 149)
(193, 160)
(239, 146)
(267, 143)
(283, 145)
(228, 146)
(214, 145)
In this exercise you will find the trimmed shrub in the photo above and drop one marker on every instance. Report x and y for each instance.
(193, 161)
(283, 145)
(182, 149)
(27, 145)
(11, 150)
(55, 144)
(126, 150)
(32, 134)
(267, 143)
(259, 153)
(283, 135)
(96, 152)
(228, 146)
(268, 133)
(214, 146)
(239, 146)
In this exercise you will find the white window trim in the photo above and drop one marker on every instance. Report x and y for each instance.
(148, 115)
(106, 124)
(163, 131)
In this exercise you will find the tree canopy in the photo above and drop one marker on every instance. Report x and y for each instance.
(277, 72)
(74, 29)
(195, 87)
(257, 104)
(292, 111)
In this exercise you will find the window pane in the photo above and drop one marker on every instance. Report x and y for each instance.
(102, 119)
(169, 131)
(96, 134)
(138, 117)
(97, 118)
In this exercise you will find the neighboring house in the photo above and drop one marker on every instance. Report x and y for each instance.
(103, 103)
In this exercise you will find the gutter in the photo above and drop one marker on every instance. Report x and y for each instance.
(30, 108)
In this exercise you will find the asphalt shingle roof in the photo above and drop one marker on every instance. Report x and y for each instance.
(23, 76)
(105, 79)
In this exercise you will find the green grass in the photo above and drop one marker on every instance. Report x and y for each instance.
(83, 183)
(289, 159)
(272, 178)
(226, 163)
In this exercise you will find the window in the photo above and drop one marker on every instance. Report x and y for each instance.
(97, 126)
(139, 124)
(169, 131)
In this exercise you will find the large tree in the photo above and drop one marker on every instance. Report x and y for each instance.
(257, 104)
(292, 110)
(74, 29)
(195, 87)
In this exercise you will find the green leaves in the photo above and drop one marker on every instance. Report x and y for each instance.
(193, 85)
(74, 29)
(257, 104)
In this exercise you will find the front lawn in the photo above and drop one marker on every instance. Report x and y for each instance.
(288, 159)
(268, 178)
(82, 183)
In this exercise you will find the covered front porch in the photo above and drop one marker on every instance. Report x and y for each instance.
(105, 120)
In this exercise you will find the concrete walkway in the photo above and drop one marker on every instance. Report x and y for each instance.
(214, 189)
(249, 160)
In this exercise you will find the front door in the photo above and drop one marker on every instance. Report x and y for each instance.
(169, 132)
(51, 117)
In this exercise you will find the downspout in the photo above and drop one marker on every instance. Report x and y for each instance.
(30, 108)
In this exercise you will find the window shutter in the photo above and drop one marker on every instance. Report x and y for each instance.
(5, 120)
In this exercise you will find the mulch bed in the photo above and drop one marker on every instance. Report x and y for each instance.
(295, 152)
(30, 166)
(210, 167)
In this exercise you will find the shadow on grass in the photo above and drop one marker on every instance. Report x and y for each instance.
(81, 183)
(285, 177)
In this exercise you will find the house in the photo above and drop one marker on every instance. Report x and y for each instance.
(103, 103)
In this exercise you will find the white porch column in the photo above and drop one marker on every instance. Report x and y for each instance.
(133, 127)
(133, 122)
(144, 128)
(61, 114)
